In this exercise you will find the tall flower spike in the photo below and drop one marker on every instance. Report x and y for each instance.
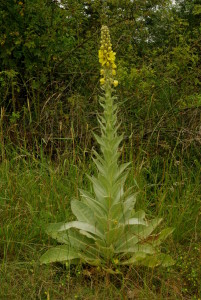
(108, 232)
(107, 58)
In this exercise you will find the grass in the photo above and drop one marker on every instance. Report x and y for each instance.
(35, 192)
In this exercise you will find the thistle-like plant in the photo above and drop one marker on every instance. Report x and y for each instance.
(108, 231)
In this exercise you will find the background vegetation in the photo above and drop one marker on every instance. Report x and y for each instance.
(49, 82)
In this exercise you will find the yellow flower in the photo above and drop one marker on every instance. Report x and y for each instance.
(102, 81)
(102, 58)
(100, 53)
(116, 261)
(107, 58)
(111, 56)
(115, 83)
(105, 54)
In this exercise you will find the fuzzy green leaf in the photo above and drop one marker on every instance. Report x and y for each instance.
(113, 235)
(136, 221)
(121, 169)
(128, 207)
(144, 232)
(144, 248)
(116, 211)
(158, 259)
(59, 254)
(82, 226)
(162, 236)
(140, 214)
(105, 252)
(125, 242)
(135, 259)
(165, 260)
(82, 212)
(96, 206)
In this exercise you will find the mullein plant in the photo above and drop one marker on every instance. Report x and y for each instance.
(108, 231)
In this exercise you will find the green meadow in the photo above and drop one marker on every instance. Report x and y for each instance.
(35, 192)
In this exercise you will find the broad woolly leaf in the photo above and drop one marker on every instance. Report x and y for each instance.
(90, 260)
(118, 188)
(135, 259)
(140, 214)
(100, 140)
(150, 261)
(100, 243)
(96, 206)
(143, 232)
(105, 182)
(99, 190)
(72, 237)
(121, 180)
(59, 254)
(112, 169)
(98, 157)
(128, 192)
(144, 248)
(105, 252)
(121, 169)
(82, 211)
(126, 241)
(102, 223)
(113, 235)
(158, 238)
(89, 235)
(102, 123)
(82, 243)
(128, 207)
(101, 168)
(114, 144)
(109, 156)
(61, 237)
(157, 259)
(165, 260)
(82, 226)
(53, 227)
(138, 218)
(136, 221)
(116, 211)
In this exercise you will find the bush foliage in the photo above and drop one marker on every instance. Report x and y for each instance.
(49, 71)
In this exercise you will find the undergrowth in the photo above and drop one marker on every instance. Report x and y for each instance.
(35, 192)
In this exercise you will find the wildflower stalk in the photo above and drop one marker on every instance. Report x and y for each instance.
(109, 140)
(108, 232)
